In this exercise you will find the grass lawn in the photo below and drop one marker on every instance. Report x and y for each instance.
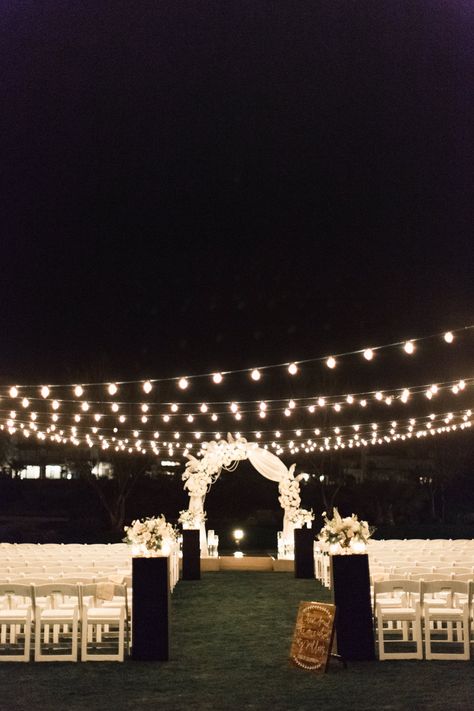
(231, 635)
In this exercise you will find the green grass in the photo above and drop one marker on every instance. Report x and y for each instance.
(231, 635)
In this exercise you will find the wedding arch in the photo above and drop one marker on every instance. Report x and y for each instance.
(200, 474)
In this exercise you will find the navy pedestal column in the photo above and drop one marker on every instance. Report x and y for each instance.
(304, 555)
(151, 609)
(351, 595)
(191, 555)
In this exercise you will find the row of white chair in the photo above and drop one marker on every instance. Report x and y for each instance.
(60, 614)
(423, 614)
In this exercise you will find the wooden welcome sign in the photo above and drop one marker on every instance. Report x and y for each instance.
(313, 635)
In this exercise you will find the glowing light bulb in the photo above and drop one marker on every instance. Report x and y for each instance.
(449, 337)
(368, 354)
(190, 418)
(217, 378)
(78, 391)
(378, 395)
(263, 406)
(45, 391)
(112, 389)
(183, 383)
(337, 407)
(214, 417)
(434, 389)
(238, 416)
(13, 392)
(461, 385)
(321, 401)
(287, 412)
(122, 418)
(331, 362)
(166, 418)
(55, 405)
(145, 407)
(405, 395)
(292, 369)
(409, 347)
(255, 374)
(292, 404)
(85, 406)
(363, 403)
(25, 402)
(204, 407)
(147, 387)
(311, 409)
(234, 407)
(350, 399)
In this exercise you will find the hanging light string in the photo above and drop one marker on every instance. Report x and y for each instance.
(313, 404)
(409, 346)
(377, 432)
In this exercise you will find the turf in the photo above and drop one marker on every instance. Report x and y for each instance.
(231, 634)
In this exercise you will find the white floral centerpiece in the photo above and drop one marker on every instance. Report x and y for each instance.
(150, 536)
(191, 519)
(345, 535)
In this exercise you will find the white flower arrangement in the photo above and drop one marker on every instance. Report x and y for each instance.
(191, 519)
(345, 534)
(150, 536)
(301, 517)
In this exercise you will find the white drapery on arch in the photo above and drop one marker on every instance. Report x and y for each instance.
(201, 473)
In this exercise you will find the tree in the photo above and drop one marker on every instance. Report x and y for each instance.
(114, 492)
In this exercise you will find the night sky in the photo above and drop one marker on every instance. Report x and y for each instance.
(191, 186)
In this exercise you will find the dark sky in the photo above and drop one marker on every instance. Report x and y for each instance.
(191, 186)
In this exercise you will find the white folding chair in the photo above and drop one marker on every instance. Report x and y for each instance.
(448, 624)
(398, 620)
(15, 622)
(103, 622)
(61, 617)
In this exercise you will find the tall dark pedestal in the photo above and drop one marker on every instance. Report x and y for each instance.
(151, 609)
(351, 595)
(191, 555)
(304, 554)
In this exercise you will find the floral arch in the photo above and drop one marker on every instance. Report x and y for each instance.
(201, 473)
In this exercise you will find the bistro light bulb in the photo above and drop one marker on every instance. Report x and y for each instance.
(409, 347)
(78, 390)
(112, 389)
(292, 369)
(234, 407)
(368, 354)
(331, 362)
(55, 405)
(45, 391)
(255, 374)
(263, 406)
(85, 406)
(147, 386)
(449, 337)
(217, 378)
(378, 396)
(350, 399)
(174, 407)
(183, 383)
(190, 418)
(405, 395)
(13, 392)
(25, 402)
(204, 407)
(292, 404)
(214, 417)
(321, 401)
